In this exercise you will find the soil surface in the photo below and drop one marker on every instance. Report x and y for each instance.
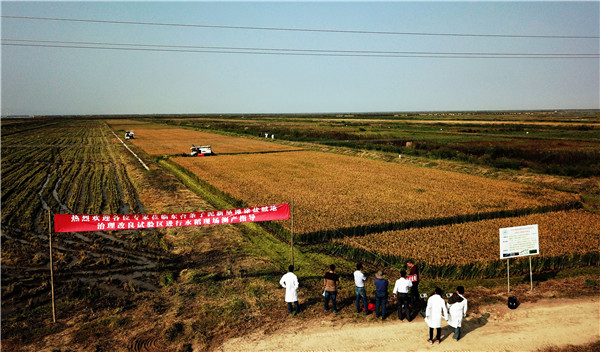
(532, 326)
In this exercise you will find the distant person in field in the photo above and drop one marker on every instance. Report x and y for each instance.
(415, 300)
(290, 282)
(435, 311)
(359, 282)
(401, 294)
(330, 285)
(381, 294)
(457, 310)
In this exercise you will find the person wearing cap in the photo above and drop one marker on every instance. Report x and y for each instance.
(330, 284)
(457, 310)
(359, 282)
(290, 282)
(435, 311)
(381, 294)
(401, 294)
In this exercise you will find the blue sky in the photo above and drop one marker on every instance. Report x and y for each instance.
(52, 81)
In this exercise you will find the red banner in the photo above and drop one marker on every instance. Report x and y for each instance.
(79, 223)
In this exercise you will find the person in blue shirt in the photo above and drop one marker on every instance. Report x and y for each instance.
(381, 294)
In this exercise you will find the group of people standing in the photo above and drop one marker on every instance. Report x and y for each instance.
(406, 292)
(453, 312)
(405, 298)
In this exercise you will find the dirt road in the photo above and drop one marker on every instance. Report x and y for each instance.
(532, 326)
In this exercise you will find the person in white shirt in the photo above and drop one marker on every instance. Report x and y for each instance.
(401, 294)
(290, 282)
(359, 282)
(457, 310)
(435, 311)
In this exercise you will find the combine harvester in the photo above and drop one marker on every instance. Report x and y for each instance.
(129, 135)
(203, 150)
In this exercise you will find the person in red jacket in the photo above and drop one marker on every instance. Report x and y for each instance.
(414, 290)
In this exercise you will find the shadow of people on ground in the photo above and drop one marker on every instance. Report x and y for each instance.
(469, 325)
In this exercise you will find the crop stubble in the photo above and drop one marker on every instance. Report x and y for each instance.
(65, 166)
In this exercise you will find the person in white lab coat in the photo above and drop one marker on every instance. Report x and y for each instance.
(290, 282)
(457, 310)
(435, 311)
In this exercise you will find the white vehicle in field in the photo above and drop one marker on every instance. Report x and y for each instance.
(129, 135)
(203, 150)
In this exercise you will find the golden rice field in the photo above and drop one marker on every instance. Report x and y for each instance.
(170, 141)
(560, 233)
(332, 191)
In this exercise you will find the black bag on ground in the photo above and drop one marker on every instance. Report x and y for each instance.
(513, 302)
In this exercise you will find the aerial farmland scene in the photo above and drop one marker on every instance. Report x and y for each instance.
(286, 176)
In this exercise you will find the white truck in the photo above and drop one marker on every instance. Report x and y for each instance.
(203, 150)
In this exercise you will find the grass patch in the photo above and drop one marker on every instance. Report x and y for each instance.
(167, 278)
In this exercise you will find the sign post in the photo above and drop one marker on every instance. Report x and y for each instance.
(530, 274)
(508, 275)
(519, 241)
(51, 267)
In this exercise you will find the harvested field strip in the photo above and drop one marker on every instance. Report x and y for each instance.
(79, 156)
(19, 203)
(12, 174)
(112, 196)
(69, 162)
(128, 125)
(267, 152)
(75, 151)
(79, 173)
(174, 141)
(332, 192)
(16, 180)
(566, 238)
(17, 128)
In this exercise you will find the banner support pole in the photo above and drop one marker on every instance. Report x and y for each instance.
(292, 236)
(51, 267)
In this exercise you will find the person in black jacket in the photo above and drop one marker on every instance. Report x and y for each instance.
(330, 283)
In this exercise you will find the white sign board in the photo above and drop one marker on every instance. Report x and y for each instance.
(519, 241)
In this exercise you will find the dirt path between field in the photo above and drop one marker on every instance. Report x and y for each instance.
(532, 326)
